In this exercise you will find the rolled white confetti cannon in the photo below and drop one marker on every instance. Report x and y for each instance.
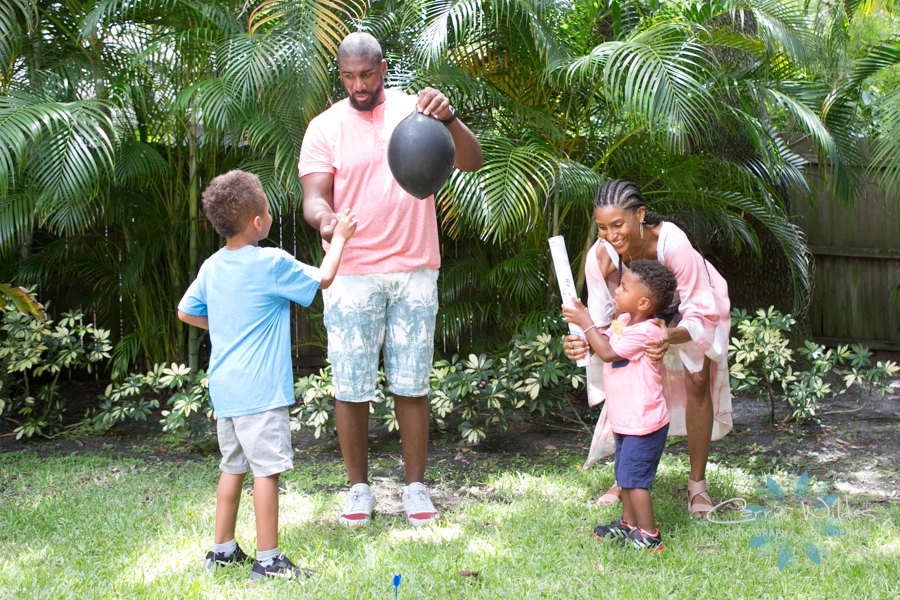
(566, 285)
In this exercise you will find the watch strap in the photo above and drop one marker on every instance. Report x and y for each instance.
(451, 118)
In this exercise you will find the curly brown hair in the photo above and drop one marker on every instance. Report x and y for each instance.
(658, 279)
(231, 200)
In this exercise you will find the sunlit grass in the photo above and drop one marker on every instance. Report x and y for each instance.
(96, 527)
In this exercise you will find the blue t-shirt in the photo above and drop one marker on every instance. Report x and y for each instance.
(247, 294)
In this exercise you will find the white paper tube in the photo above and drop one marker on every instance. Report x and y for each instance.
(566, 286)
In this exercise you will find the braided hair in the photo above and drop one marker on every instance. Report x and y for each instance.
(626, 195)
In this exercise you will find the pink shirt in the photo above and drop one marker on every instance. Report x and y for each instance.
(397, 232)
(634, 398)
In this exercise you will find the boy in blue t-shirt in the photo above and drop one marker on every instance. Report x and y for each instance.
(243, 295)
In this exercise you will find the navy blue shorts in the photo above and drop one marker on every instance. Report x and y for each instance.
(637, 457)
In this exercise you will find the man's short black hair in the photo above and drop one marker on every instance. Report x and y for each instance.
(360, 44)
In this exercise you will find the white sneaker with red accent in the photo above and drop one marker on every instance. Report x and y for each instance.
(417, 505)
(357, 506)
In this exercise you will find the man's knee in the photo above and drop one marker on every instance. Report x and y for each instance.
(349, 412)
(410, 400)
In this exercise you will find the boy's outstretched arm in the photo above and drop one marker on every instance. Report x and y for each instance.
(343, 231)
(579, 315)
(201, 322)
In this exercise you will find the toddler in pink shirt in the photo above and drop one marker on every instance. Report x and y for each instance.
(635, 404)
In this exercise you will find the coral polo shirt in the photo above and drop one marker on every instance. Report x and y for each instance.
(397, 232)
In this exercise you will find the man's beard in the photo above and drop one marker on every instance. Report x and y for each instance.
(371, 103)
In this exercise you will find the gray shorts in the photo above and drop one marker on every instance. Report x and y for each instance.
(260, 443)
(393, 313)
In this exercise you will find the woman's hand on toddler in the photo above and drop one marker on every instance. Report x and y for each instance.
(656, 349)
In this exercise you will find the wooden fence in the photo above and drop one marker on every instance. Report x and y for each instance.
(857, 263)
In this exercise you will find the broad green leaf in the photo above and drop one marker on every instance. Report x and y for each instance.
(784, 555)
(761, 540)
(23, 301)
(812, 551)
(774, 489)
(830, 499)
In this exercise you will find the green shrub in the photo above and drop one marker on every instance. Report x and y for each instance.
(189, 404)
(33, 354)
(315, 405)
(532, 373)
(762, 365)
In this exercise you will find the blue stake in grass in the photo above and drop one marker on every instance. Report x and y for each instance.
(397, 579)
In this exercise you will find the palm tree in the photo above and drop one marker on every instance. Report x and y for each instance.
(129, 133)
(108, 150)
(566, 96)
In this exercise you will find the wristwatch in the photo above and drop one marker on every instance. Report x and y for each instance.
(451, 118)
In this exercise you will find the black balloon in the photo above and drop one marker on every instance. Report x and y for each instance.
(420, 154)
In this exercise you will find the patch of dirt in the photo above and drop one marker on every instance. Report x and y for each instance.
(858, 452)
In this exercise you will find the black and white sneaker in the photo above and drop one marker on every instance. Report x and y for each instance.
(615, 530)
(282, 568)
(220, 559)
(642, 540)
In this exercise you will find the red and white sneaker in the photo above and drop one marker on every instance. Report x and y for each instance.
(357, 506)
(417, 505)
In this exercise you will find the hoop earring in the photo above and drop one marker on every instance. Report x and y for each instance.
(642, 230)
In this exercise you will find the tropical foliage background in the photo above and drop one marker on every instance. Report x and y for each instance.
(114, 114)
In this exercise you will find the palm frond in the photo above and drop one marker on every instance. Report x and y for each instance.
(212, 102)
(488, 100)
(502, 199)
(444, 20)
(886, 150)
(283, 193)
(137, 163)
(462, 274)
(448, 22)
(782, 23)
(659, 76)
(66, 144)
(322, 22)
(249, 63)
(844, 98)
(17, 17)
(843, 180)
(16, 219)
(105, 12)
(520, 277)
(789, 236)
(578, 184)
(463, 316)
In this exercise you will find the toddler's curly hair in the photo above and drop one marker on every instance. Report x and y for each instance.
(659, 281)
(231, 200)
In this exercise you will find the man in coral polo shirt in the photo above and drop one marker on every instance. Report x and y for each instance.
(384, 297)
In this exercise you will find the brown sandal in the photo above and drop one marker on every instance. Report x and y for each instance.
(695, 489)
(611, 497)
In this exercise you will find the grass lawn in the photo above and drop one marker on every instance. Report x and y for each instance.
(91, 526)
